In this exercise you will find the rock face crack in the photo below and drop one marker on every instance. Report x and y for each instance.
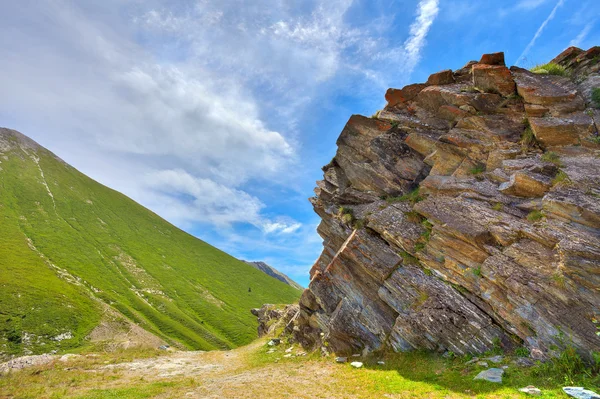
(501, 241)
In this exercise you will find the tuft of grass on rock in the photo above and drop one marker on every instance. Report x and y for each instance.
(551, 157)
(596, 97)
(477, 169)
(561, 178)
(550, 69)
(413, 197)
(534, 216)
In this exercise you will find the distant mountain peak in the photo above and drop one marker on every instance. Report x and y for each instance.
(271, 271)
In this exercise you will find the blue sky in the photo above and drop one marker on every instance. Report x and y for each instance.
(218, 115)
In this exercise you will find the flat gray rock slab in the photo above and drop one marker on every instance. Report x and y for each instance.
(580, 393)
(491, 375)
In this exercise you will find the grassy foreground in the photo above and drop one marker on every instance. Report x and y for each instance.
(70, 247)
(251, 372)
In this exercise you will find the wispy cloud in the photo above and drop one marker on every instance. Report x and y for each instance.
(539, 31)
(582, 35)
(426, 13)
(529, 4)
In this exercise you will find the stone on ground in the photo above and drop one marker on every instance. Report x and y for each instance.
(356, 365)
(580, 393)
(531, 390)
(491, 375)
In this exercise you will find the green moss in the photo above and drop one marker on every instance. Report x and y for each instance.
(550, 69)
(498, 206)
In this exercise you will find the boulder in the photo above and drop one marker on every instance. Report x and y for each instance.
(562, 131)
(494, 79)
(526, 184)
(441, 78)
(491, 375)
(493, 59)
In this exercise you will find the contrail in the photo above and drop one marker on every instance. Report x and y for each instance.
(539, 31)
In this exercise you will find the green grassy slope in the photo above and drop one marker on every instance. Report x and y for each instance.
(69, 244)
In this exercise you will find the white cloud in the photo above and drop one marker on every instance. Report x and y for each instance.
(184, 198)
(582, 35)
(539, 31)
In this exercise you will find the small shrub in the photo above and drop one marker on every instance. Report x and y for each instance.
(596, 97)
(427, 271)
(534, 216)
(522, 351)
(477, 169)
(347, 218)
(552, 157)
(359, 224)
(477, 271)
(550, 69)
(561, 178)
(568, 364)
(419, 246)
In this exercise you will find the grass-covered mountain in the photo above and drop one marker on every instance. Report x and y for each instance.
(271, 271)
(72, 249)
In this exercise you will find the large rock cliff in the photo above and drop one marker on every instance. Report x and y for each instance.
(465, 215)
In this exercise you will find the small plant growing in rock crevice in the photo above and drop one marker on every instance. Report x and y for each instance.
(550, 69)
(596, 97)
(412, 197)
(534, 216)
(551, 157)
(477, 169)
(477, 271)
(346, 215)
(561, 178)
(527, 137)
(498, 206)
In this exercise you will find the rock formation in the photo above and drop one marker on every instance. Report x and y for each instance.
(465, 215)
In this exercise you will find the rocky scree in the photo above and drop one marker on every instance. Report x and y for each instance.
(464, 216)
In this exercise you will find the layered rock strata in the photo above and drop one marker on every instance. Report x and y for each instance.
(465, 215)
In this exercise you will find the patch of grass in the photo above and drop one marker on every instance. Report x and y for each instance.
(408, 258)
(522, 351)
(595, 139)
(477, 169)
(534, 216)
(527, 137)
(596, 97)
(419, 246)
(551, 157)
(413, 217)
(550, 69)
(412, 197)
(561, 178)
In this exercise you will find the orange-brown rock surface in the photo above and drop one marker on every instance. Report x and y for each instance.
(465, 215)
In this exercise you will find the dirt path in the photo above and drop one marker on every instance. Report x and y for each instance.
(231, 374)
